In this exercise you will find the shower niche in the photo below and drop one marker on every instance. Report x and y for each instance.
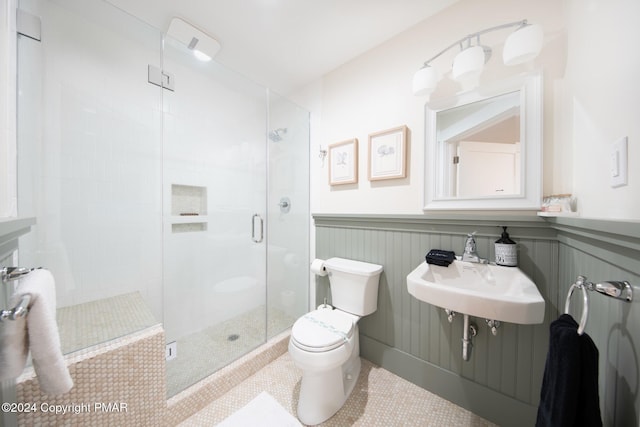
(188, 208)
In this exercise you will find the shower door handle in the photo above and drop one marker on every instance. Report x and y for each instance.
(253, 228)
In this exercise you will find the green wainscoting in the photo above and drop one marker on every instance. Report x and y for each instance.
(502, 380)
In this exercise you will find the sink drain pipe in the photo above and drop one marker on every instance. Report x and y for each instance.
(470, 330)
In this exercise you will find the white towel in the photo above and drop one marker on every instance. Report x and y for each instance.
(42, 333)
(13, 348)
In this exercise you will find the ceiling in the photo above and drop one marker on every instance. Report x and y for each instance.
(286, 44)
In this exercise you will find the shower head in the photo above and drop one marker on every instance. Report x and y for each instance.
(276, 135)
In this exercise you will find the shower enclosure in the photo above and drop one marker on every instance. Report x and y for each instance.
(184, 203)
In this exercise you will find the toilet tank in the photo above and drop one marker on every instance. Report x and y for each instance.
(354, 285)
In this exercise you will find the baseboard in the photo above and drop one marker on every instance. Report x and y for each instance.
(485, 402)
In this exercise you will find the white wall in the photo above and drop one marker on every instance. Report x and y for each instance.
(603, 69)
(373, 92)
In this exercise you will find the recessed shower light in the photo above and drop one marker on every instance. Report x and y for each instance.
(201, 56)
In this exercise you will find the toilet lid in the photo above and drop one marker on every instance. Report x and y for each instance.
(322, 330)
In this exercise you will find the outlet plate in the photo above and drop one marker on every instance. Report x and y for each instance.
(171, 351)
(618, 163)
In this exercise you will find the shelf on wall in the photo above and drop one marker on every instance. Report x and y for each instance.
(558, 214)
(188, 227)
(188, 199)
(186, 219)
(188, 208)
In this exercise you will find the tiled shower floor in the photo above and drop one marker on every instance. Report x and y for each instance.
(199, 355)
(202, 353)
(380, 398)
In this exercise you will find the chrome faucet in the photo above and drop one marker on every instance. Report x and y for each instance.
(470, 251)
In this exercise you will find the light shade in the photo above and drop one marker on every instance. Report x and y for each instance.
(467, 66)
(425, 81)
(523, 45)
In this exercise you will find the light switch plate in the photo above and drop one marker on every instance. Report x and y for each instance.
(618, 163)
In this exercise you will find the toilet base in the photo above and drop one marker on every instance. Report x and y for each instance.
(323, 393)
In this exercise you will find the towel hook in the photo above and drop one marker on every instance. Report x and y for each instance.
(579, 284)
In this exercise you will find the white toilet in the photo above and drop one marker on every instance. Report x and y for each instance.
(324, 343)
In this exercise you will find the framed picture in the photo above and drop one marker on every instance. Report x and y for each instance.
(343, 162)
(388, 154)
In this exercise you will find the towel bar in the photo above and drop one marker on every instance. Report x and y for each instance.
(18, 311)
(9, 274)
(620, 290)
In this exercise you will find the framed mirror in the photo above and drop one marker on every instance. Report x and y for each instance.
(484, 148)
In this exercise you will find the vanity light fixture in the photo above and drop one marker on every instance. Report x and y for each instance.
(203, 46)
(468, 65)
(521, 46)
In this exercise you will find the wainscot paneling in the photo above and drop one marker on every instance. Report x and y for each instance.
(606, 250)
(501, 382)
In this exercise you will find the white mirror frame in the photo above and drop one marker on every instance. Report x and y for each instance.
(530, 198)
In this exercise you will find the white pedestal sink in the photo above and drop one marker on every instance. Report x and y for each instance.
(493, 292)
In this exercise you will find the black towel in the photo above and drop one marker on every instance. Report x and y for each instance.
(440, 257)
(569, 395)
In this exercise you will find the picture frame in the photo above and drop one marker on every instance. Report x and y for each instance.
(388, 154)
(343, 162)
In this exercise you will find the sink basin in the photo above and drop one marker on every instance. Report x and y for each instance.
(480, 290)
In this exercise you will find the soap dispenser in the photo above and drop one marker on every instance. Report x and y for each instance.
(506, 250)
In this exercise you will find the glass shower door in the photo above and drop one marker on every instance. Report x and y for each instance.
(288, 211)
(214, 238)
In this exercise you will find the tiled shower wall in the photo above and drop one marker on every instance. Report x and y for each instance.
(90, 152)
(502, 380)
(8, 194)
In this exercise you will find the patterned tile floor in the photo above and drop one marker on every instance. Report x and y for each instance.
(380, 398)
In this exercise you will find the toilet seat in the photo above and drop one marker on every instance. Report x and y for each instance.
(322, 330)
